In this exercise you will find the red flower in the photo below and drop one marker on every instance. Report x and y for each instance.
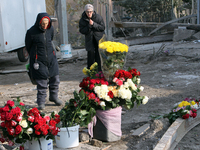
(2, 140)
(3, 116)
(37, 132)
(57, 119)
(75, 104)
(37, 127)
(97, 100)
(18, 129)
(21, 148)
(194, 110)
(19, 118)
(194, 115)
(11, 131)
(9, 116)
(52, 123)
(3, 125)
(91, 86)
(11, 103)
(22, 104)
(13, 123)
(6, 108)
(110, 93)
(134, 72)
(92, 81)
(91, 96)
(186, 116)
(31, 118)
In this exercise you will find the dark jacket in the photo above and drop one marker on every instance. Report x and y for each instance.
(39, 46)
(95, 31)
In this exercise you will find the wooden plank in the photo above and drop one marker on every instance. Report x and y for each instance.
(171, 21)
(12, 71)
(146, 40)
(119, 24)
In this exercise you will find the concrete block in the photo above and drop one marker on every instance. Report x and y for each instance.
(196, 36)
(141, 130)
(182, 34)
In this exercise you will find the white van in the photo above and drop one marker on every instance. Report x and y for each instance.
(16, 16)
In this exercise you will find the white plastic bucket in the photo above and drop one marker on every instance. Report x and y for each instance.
(65, 139)
(45, 144)
(65, 51)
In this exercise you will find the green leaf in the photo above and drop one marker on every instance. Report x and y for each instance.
(84, 112)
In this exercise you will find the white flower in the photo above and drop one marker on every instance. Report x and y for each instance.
(131, 84)
(141, 88)
(23, 123)
(126, 85)
(102, 103)
(29, 131)
(138, 80)
(145, 100)
(187, 111)
(97, 89)
(195, 106)
(102, 92)
(124, 93)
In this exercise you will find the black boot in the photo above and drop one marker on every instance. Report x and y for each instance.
(58, 102)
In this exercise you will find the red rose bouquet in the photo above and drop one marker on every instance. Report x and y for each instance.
(97, 93)
(19, 124)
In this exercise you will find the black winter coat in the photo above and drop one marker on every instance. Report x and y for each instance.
(95, 31)
(39, 46)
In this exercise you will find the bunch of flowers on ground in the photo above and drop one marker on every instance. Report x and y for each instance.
(185, 109)
(97, 93)
(19, 124)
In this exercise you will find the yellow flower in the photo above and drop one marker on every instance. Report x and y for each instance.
(193, 102)
(184, 103)
(93, 66)
(112, 47)
(85, 70)
(180, 105)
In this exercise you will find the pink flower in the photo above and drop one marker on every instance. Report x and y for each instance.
(10, 143)
(47, 118)
(119, 82)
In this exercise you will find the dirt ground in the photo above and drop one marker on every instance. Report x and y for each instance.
(168, 75)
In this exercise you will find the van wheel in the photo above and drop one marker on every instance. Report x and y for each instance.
(22, 54)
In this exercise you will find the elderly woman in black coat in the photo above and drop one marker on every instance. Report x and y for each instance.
(43, 61)
(92, 26)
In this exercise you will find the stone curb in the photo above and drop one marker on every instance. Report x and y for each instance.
(176, 132)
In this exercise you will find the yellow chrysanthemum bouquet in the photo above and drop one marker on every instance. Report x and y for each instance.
(113, 56)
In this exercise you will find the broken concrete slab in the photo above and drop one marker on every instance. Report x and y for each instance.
(196, 36)
(140, 131)
(182, 34)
